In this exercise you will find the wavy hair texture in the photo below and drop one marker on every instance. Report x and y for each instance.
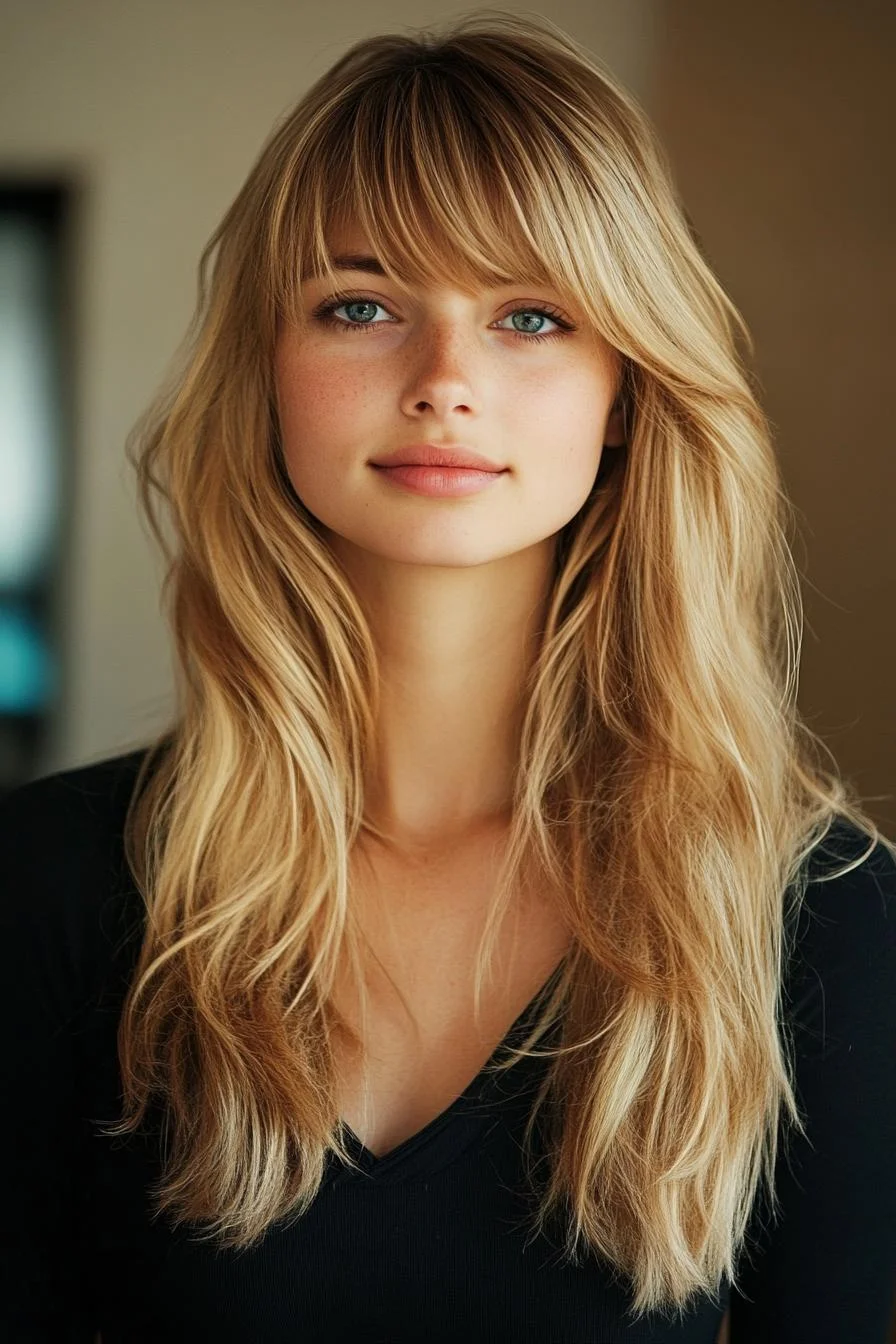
(666, 787)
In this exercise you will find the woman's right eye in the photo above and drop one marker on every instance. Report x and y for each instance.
(326, 312)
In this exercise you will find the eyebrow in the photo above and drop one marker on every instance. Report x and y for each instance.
(358, 261)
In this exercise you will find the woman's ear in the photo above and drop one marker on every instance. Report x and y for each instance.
(615, 432)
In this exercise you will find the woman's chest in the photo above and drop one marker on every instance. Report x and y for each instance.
(423, 1043)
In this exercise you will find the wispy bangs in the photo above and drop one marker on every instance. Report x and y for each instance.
(445, 171)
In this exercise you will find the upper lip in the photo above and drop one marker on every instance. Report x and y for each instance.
(431, 455)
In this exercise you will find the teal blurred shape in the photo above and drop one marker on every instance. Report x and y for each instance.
(27, 670)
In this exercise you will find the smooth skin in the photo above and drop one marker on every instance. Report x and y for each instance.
(454, 588)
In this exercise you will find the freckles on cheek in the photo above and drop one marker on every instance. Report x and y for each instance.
(329, 424)
(318, 397)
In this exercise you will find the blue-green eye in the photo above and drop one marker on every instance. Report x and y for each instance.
(529, 313)
(326, 313)
(354, 303)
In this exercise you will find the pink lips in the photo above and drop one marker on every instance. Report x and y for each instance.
(428, 469)
(440, 480)
(435, 455)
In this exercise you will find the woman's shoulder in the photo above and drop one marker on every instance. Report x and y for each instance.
(850, 884)
(847, 844)
(82, 795)
(68, 904)
(841, 945)
(67, 826)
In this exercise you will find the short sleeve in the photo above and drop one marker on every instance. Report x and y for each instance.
(824, 1270)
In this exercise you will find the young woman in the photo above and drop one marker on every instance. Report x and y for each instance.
(485, 952)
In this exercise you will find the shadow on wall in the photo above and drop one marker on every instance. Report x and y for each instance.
(777, 121)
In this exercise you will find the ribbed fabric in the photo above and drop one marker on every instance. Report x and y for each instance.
(430, 1242)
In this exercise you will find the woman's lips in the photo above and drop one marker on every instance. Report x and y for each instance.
(440, 480)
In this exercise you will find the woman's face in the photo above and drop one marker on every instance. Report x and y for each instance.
(396, 367)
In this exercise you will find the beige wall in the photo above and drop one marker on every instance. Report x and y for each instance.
(775, 117)
(778, 119)
(160, 109)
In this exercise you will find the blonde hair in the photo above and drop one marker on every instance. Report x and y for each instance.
(666, 787)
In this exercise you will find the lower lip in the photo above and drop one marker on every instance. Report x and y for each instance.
(440, 480)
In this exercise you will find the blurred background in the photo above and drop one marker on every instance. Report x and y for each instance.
(124, 134)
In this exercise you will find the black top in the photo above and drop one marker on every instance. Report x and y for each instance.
(430, 1242)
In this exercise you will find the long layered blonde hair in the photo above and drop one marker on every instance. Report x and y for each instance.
(666, 787)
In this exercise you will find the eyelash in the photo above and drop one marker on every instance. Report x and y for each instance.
(324, 313)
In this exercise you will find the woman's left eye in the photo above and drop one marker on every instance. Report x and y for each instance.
(326, 313)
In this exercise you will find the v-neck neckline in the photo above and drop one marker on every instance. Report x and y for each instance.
(402, 1154)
